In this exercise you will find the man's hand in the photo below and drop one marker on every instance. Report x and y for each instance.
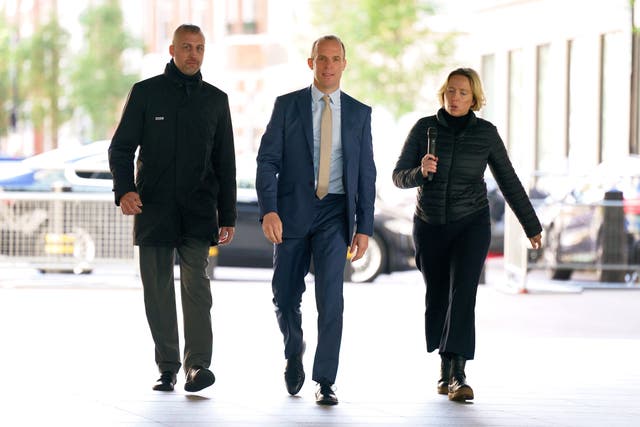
(359, 246)
(130, 203)
(225, 235)
(272, 227)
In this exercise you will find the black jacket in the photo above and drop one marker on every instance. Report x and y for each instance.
(458, 188)
(186, 175)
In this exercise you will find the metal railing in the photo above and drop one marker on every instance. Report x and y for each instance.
(594, 242)
(63, 231)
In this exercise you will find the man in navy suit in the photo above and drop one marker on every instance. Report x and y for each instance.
(302, 220)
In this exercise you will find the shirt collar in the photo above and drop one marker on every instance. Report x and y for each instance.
(317, 95)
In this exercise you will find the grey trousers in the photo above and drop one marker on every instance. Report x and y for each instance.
(156, 271)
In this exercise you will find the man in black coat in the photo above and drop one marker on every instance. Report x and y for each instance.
(183, 198)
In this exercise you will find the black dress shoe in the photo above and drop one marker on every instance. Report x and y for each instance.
(166, 381)
(325, 395)
(199, 378)
(294, 373)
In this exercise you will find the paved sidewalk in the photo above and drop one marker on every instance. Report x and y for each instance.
(77, 352)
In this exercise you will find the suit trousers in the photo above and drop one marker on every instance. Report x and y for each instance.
(326, 243)
(156, 271)
(451, 257)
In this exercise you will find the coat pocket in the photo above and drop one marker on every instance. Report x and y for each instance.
(158, 224)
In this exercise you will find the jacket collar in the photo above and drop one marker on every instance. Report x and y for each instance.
(180, 79)
(442, 119)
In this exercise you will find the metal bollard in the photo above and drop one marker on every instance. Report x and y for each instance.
(613, 242)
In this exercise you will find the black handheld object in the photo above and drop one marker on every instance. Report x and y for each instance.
(432, 134)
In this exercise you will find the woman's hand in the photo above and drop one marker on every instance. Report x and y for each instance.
(428, 164)
(536, 241)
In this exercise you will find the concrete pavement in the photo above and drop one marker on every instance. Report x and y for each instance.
(76, 352)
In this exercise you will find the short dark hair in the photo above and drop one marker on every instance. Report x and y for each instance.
(314, 47)
(186, 28)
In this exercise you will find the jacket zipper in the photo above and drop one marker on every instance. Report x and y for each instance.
(447, 195)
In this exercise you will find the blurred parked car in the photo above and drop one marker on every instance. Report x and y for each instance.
(405, 201)
(84, 170)
(496, 212)
(390, 248)
(11, 166)
(63, 233)
(497, 208)
(77, 168)
(585, 232)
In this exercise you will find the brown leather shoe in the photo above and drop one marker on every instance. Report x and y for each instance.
(325, 395)
(166, 381)
(198, 378)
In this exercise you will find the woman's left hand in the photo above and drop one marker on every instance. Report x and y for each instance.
(536, 241)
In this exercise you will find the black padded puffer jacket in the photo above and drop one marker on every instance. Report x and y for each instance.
(458, 188)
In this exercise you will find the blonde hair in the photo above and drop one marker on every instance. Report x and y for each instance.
(479, 100)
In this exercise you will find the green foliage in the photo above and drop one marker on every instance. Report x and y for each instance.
(634, 25)
(40, 69)
(390, 51)
(99, 83)
(5, 76)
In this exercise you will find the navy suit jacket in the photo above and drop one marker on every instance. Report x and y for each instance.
(285, 179)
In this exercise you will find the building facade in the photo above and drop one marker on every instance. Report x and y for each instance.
(256, 49)
(254, 52)
(558, 78)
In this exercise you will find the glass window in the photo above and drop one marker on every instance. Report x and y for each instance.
(550, 145)
(488, 82)
(616, 62)
(249, 16)
(242, 16)
(583, 104)
(199, 13)
(516, 99)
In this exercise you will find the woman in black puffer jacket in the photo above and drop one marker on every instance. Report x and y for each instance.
(451, 228)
